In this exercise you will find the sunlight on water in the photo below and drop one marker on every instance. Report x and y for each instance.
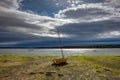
(71, 52)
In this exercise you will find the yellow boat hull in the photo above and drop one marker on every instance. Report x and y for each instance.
(60, 61)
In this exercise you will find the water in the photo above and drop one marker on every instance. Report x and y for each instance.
(70, 52)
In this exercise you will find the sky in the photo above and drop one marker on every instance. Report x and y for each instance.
(34, 23)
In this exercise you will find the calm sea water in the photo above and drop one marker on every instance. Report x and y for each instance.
(67, 52)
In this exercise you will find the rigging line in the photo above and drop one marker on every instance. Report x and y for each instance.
(60, 42)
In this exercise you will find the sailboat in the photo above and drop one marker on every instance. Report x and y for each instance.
(63, 59)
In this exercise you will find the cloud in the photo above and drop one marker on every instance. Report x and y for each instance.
(89, 13)
(24, 22)
(94, 1)
(109, 34)
(80, 20)
(115, 3)
(10, 4)
(94, 31)
(25, 26)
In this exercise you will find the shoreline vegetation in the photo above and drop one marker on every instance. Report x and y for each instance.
(64, 47)
(77, 68)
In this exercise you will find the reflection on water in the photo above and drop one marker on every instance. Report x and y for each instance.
(67, 52)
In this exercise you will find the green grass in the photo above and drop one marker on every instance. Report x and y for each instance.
(78, 68)
(21, 58)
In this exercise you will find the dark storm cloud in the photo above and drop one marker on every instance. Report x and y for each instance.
(6, 22)
(89, 31)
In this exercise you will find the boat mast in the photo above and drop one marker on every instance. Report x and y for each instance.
(60, 42)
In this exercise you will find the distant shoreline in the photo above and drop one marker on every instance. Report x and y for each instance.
(66, 47)
(59, 48)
